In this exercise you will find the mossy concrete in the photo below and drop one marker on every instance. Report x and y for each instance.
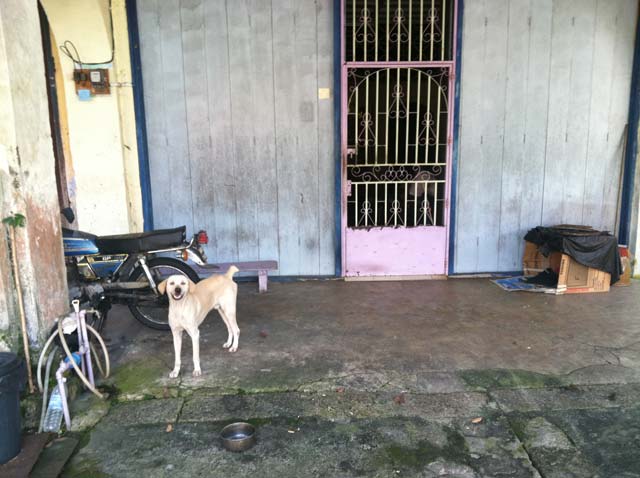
(420, 379)
(140, 379)
(87, 410)
(307, 447)
(492, 379)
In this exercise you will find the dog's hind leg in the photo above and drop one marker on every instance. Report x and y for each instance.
(177, 348)
(229, 341)
(229, 316)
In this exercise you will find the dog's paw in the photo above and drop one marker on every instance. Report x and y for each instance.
(197, 373)
(226, 345)
(174, 374)
(233, 349)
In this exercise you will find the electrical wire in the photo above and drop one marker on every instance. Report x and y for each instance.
(70, 50)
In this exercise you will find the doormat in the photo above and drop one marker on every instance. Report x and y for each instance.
(518, 283)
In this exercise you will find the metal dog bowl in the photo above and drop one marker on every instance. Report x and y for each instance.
(238, 436)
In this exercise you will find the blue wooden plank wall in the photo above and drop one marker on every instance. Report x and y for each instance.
(544, 101)
(239, 142)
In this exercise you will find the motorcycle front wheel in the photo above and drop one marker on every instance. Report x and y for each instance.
(154, 312)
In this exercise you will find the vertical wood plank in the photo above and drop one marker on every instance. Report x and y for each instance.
(179, 207)
(294, 37)
(470, 134)
(266, 185)
(583, 23)
(536, 117)
(241, 83)
(558, 119)
(305, 21)
(602, 81)
(514, 149)
(197, 100)
(326, 144)
(493, 117)
(221, 172)
(286, 93)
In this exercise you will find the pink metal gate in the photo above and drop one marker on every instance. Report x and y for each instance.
(398, 77)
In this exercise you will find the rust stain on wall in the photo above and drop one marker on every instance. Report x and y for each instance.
(45, 244)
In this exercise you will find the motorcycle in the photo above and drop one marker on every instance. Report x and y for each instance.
(126, 269)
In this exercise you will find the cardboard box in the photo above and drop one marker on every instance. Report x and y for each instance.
(533, 262)
(573, 277)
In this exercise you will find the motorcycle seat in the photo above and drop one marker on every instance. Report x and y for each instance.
(142, 241)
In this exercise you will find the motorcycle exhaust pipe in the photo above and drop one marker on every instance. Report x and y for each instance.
(125, 285)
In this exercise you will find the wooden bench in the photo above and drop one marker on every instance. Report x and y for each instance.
(261, 267)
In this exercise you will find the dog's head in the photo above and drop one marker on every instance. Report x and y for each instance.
(176, 286)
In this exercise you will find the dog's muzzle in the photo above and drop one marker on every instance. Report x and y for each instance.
(177, 293)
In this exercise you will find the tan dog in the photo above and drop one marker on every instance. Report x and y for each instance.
(189, 304)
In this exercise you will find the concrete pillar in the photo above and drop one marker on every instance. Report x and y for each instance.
(27, 178)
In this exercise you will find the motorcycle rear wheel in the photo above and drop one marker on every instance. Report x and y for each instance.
(155, 313)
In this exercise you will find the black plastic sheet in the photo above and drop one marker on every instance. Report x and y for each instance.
(591, 248)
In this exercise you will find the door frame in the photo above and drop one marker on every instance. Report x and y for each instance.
(343, 99)
(140, 114)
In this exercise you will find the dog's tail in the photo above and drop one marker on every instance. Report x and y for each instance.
(231, 271)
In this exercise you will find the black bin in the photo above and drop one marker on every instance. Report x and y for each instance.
(12, 379)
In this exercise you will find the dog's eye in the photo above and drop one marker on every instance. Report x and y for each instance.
(170, 283)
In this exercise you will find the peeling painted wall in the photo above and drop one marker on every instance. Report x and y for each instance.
(544, 101)
(239, 138)
(27, 179)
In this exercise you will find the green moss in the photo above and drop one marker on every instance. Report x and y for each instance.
(348, 428)
(517, 423)
(416, 458)
(89, 468)
(137, 377)
(83, 440)
(259, 422)
(456, 448)
(293, 422)
(505, 378)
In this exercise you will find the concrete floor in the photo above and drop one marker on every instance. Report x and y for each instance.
(381, 379)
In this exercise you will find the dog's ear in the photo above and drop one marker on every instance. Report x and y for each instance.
(162, 287)
(192, 286)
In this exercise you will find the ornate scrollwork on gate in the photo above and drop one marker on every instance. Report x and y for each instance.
(402, 30)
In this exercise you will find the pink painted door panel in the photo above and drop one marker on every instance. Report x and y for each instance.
(395, 252)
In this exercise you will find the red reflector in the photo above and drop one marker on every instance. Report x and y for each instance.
(202, 237)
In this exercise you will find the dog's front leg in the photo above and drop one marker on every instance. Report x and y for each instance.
(195, 345)
(177, 348)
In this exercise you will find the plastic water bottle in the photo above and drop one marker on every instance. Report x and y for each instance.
(53, 418)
